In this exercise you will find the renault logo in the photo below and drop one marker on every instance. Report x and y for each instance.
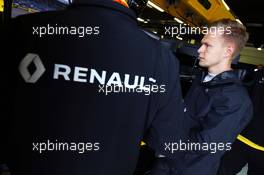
(24, 64)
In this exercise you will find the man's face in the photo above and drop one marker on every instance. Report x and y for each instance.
(212, 51)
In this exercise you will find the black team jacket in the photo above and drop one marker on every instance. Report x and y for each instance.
(59, 115)
(218, 110)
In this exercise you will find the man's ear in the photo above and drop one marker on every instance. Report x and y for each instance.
(230, 49)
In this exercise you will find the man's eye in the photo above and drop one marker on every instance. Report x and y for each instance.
(207, 45)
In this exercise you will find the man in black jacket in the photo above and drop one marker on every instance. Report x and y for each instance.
(217, 104)
(86, 86)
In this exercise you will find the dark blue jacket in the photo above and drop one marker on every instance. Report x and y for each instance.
(55, 99)
(218, 111)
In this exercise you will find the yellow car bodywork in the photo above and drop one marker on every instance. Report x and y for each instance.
(1, 5)
(194, 13)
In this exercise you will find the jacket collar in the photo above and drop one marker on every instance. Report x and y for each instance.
(106, 4)
(227, 77)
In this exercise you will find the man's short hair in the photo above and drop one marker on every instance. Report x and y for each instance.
(234, 32)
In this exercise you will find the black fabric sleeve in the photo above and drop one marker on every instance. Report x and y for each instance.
(230, 112)
(168, 125)
(11, 46)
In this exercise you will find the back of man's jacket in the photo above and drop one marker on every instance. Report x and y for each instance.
(64, 118)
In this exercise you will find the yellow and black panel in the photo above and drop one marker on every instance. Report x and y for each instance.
(196, 12)
(1, 5)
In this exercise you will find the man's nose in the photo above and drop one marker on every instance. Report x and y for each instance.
(200, 49)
